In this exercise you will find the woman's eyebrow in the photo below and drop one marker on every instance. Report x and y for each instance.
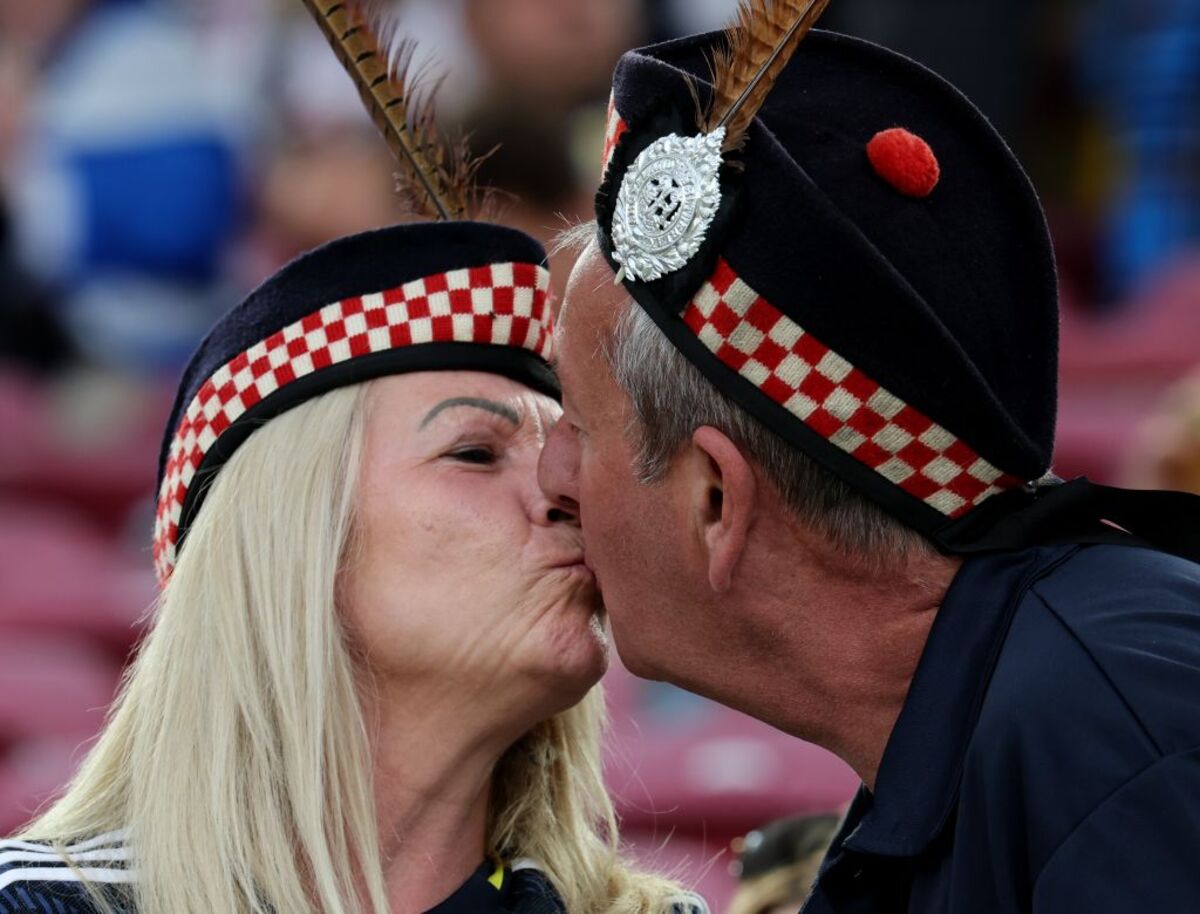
(491, 406)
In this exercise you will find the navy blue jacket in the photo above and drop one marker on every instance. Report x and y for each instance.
(1047, 757)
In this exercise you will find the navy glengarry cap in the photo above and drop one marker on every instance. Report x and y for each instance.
(416, 297)
(868, 271)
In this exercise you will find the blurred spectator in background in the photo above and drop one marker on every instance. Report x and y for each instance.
(119, 163)
(777, 864)
(1141, 64)
(1166, 454)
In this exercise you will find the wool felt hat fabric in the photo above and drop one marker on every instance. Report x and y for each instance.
(893, 316)
(416, 297)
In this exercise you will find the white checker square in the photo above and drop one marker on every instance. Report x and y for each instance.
(339, 351)
(523, 301)
(243, 379)
(464, 327)
(221, 377)
(414, 289)
(278, 356)
(439, 304)
(373, 301)
(502, 328)
(481, 301)
(937, 439)
(786, 333)
(842, 404)
(396, 313)
(895, 470)
(212, 406)
(422, 330)
(502, 275)
(706, 299)
(984, 471)
(886, 404)
(187, 473)
(356, 325)
(293, 331)
(458, 279)
(379, 339)
(266, 385)
(207, 437)
(834, 367)
(709, 337)
(801, 405)
(331, 313)
(847, 439)
(942, 470)
(755, 372)
(746, 338)
(176, 512)
(740, 297)
(892, 438)
(792, 370)
(316, 339)
(945, 501)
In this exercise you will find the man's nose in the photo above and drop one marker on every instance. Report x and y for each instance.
(558, 469)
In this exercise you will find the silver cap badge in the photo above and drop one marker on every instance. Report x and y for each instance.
(667, 201)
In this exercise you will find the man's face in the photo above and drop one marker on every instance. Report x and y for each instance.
(633, 541)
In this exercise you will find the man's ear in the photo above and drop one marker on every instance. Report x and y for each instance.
(722, 503)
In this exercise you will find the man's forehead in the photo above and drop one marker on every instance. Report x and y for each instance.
(593, 301)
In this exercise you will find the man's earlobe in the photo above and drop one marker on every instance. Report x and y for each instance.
(724, 503)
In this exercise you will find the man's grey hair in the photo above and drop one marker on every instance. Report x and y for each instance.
(671, 398)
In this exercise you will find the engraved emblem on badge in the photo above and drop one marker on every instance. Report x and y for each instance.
(666, 203)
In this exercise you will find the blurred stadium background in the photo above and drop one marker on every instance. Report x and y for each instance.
(160, 157)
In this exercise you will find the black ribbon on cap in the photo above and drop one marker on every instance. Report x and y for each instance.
(1079, 511)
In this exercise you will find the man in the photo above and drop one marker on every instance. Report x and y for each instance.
(809, 433)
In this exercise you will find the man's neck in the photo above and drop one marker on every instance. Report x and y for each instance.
(831, 646)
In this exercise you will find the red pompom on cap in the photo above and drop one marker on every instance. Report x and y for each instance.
(905, 161)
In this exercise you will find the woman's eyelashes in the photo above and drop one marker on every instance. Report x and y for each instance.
(480, 455)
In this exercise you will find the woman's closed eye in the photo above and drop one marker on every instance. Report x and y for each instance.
(481, 455)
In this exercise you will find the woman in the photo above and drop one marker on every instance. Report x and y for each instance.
(370, 682)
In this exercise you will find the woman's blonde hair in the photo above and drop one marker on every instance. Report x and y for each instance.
(236, 752)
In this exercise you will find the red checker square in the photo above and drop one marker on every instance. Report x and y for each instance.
(502, 300)
(762, 315)
(860, 385)
(351, 305)
(919, 485)
(260, 367)
(220, 422)
(479, 277)
(913, 422)
(335, 331)
(400, 335)
(481, 328)
(375, 318)
(227, 392)
(207, 391)
(393, 296)
(770, 353)
(916, 454)
(694, 320)
(960, 511)
(1008, 482)
(967, 486)
(778, 391)
(436, 283)
(460, 301)
(275, 340)
(817, 387)
(297, 347)
(311, 322)
(359, 345)
(810, 349)
(284, 374)
(823, 422)
(724, 320)
(961, 454)
(520, 331)
(240, 362)
(871, 454)
(443, 327)
(734, 358)
(866, 421)
(418, 308)
(525, 274)
(723, 276)
(321, 358)
(250, 396)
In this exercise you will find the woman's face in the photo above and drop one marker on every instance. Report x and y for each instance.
(464, 581)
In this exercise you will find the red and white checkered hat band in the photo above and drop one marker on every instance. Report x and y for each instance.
(501, 304)
(614, 126)
(837, 400)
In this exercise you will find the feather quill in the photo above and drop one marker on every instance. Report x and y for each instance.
(436, 173)
(758, 45)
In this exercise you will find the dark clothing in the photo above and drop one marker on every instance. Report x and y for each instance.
(1047, 758)
(35, 880)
